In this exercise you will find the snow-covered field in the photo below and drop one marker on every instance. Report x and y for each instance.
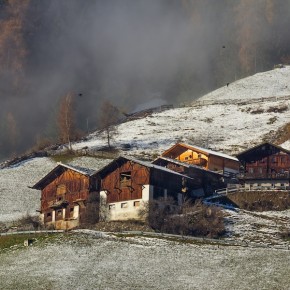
(85, 262)
(273, 83)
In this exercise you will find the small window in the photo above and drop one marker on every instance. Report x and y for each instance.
(61, 189)
(112, 206)
(125, 178)
(48, 214)
(186, 158)
(59, 212)
(124, 205)
(137, 203)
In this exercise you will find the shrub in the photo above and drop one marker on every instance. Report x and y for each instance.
(272, 120)
(28, 222)
(156, 212)
(192, 219)
(91, 214)
(197, 220)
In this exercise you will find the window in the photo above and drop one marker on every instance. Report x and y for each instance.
(137, 203)
(125, 178)
(48, 214)
(112, 206)
(61, 189)
(124, 205)
(59, 212)
(251, 170)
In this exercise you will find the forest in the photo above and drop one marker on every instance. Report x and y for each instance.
(126, 52)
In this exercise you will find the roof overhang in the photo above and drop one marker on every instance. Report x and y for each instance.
(261, 151)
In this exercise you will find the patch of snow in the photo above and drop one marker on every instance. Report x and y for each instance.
(261, 85)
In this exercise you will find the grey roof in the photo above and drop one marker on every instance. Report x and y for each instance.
(185, 164)
(79, 169)
(57, 170)
(216, 153)
(149, 165)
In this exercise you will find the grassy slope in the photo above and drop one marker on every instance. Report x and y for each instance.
(84, 262)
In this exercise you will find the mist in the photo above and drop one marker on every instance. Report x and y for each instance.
(128, 52)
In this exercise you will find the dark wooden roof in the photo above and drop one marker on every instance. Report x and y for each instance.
(260, 151)
(122, 159)
(58, 170)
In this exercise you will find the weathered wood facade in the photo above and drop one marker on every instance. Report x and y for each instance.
(266, 165)
(64, 196)
(205, 181)
(127, 184)
(205, 158)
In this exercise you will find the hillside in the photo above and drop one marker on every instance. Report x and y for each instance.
(229, 126)
(254, 252)
(88, 261)
(229, 119)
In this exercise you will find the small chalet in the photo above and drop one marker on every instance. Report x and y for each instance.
(126, 185)
(210, 160)
(265, 165)
(64, 194)
(206, 181)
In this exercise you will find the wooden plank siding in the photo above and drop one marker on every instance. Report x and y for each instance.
(265, 161)
(203, 158)
(65, 193)
(273, 166)
(76, 187)
(119, 189)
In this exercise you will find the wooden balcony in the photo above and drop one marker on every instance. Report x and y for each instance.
(248, 175)
(199, 162)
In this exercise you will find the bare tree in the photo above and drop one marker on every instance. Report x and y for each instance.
(66, 119)
(109, 116)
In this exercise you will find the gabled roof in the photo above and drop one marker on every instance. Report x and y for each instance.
(179, 148)
(263, 149)
(58, 170)
(122, 159)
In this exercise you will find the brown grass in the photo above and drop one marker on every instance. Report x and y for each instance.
(261, 200)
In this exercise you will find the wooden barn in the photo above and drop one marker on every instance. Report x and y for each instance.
(66, 194)
(210, 160)
(206, 181)
(126, 185)
(265, 165)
